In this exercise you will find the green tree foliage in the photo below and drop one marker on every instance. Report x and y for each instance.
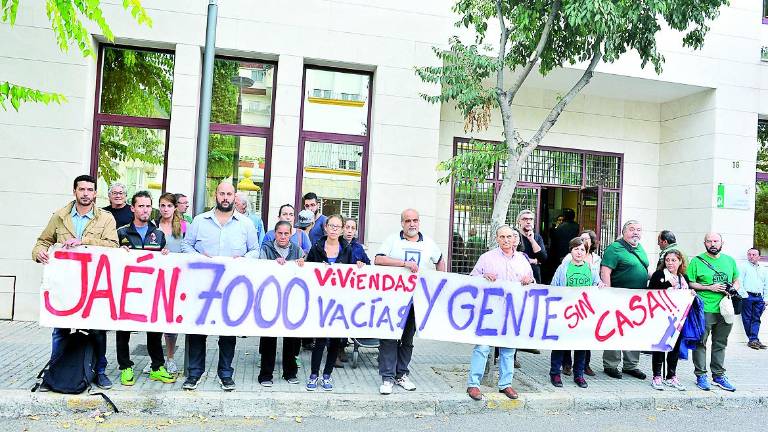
(762, 142)
(543, 35)
(761, 190)
(66, 18)
(222, 148)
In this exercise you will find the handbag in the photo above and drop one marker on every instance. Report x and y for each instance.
(735, 297)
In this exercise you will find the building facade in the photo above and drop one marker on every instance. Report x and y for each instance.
(322, 97)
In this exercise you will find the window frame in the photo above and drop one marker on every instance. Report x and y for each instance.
(336, 138)
(255, 131)
(103, 119)
(765, 12)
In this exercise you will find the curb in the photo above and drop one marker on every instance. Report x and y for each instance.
(19, 403)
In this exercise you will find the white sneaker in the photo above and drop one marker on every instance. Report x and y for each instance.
(171, 367)
(406, 383)
(675, 383)
(386, 387)
(147, 369)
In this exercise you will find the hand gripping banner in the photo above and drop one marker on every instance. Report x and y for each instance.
(114, 289)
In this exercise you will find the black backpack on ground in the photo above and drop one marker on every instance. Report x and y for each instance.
(72, 371)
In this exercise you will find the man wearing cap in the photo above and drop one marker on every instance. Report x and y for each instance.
(410, 249)
(310, 202)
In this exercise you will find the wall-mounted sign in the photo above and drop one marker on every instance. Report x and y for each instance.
(732, 196)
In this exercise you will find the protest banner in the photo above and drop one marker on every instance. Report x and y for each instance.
(111, 289)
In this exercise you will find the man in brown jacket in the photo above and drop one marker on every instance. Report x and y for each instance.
(79, 223)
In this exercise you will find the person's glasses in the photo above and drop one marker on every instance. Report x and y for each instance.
(334, 227)
(115, 193)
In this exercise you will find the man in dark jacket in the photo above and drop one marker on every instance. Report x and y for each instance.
(281, 249)
(564, 233)
(532, 242)
(143, 235)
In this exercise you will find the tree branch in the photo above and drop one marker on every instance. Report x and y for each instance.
(537, 52)
(502, 51)
(548, 122)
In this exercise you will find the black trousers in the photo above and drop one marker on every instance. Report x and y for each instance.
(154, 347)
(657, 360)
(330, 359)
(268, 351)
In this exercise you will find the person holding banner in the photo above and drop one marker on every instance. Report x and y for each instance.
(141, 234)
(670, 275)
(502, 263)
(280, 250)
(79, 223)
(329, 249)
(410, 249)
(715, 277)
(220, 231)
(625, 265)
(298, 237)
(574, 273)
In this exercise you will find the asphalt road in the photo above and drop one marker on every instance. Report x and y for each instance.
(698, 420)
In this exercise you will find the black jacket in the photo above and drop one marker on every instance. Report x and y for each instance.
(153, 241)
(655, 282)
(541, 255)
(269, 251)
(317, 252)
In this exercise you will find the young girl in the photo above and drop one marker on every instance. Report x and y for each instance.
(670, 275)
(329, 249)
(575, 273)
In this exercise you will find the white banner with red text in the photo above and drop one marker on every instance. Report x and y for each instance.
(114, 289)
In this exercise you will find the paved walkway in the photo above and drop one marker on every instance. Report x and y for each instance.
(439, 370)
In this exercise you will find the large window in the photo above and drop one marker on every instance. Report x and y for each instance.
(333, 146)
(241, 129)
(133, 111)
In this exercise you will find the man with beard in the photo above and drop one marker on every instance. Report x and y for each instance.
(310, 202)
(143, 235)
(713, 275)
(220, 231)
(625, 265)
(79, 223)
(410, 249)
(117, 205)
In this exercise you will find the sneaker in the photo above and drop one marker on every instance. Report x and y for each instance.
(292, 380)
(171, 367)
(162, 375)
(127, 378)
(754, 345)
(227, 384)
(405, 383)
(147, 369)
(102, 381)
(722, 382)
(581, 382)
(556, 380)
(386, 387)
(656, 383)
(326, 383)
(190, 383)
(674, 383)
(702, 382)
(312, 383)
(267, 383)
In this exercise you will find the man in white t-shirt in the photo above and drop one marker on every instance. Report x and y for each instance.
(410, 249)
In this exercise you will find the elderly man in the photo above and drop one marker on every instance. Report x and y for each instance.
(410, 249)
(667, 242)
(714, 275)
(754, 290)
(625, 265)
(243, 206)
(503, 263)
(79, 223)
(533, 243)
(220, 231)
(120, 210)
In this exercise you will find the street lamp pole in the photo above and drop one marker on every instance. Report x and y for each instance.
(204, 123)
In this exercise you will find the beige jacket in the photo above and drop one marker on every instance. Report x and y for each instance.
(100, 231)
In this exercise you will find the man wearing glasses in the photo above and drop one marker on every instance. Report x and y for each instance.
(412, 250)
(117, 206)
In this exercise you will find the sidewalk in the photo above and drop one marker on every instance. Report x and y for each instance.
(439, 370)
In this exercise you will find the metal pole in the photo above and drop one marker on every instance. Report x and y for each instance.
(204, 124)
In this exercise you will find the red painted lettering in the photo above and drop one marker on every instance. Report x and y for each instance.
(621, 321)
(634, 305)
(84, 259)
(653, 303)
(344, 276)
(387, 282)
(601, 337)
(571, 314)
(102, 266)
(168, 297)
(323, 279)
(127, 272)
(412, 282)
(400, 283)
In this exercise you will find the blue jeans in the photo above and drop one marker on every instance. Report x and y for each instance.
(480, 357)
(99, 336)
(752, 307)
(197, 349)
(556, 362)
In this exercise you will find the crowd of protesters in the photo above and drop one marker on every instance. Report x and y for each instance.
(231, 229)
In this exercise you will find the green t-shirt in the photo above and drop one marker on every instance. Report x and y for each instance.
(578, 275)
(627, 270)
(698, 272)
